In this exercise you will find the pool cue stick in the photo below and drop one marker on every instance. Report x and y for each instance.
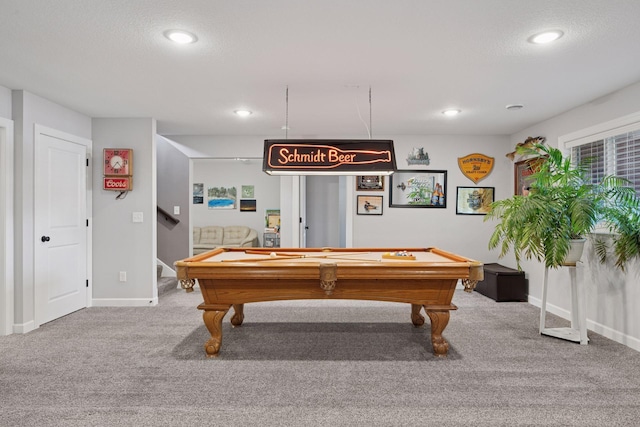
(276, 258)
(292, 255)
(284, 258)
(339, 255)
(352, 259)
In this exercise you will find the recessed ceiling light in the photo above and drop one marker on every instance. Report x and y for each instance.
(243, 113)
(546, 37)
(451, 112)
(180, 36)
(514, 107)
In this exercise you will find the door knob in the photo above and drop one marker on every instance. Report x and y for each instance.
(45, 239)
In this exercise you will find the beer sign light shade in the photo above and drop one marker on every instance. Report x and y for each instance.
(328, 157)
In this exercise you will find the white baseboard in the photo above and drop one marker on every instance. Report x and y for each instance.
(23, 328)
(553, 309)
(598, 328)
(614, 335)
(124, 302)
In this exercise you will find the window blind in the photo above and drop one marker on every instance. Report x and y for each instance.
(617, 155)
(627, 157)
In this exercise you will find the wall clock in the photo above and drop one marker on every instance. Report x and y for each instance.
(118, 162)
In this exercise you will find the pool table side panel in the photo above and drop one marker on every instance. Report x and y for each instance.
(239, 291)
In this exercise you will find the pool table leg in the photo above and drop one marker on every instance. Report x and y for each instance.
(416, 318)
(213, 321)
(238, 314)
(439, 321)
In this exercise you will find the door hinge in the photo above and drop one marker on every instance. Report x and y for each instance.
(87, 162)
(87, 283)
(87, 222)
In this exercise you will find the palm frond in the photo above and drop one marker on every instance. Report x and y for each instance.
(563, 204)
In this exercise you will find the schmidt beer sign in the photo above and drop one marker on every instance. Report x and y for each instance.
(339, 157)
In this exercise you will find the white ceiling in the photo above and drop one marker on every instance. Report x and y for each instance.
(109, 58)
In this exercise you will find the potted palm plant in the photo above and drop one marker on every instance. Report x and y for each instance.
(563, 207)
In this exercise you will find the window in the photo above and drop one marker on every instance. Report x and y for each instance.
(595, 152)
(614, 148)
(627, 157)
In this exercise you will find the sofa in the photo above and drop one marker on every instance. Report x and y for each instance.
(213, 236)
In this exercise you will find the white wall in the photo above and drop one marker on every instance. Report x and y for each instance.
(220, 146)
(173, 190)
(28, 110)
(6, 213)
(6, 227)
(235, 173)
(119, 243)
(5, 102)
(466, 235)
(613, 297)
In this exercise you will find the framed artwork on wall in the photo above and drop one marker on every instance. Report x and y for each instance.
(248, 191)
(522, 174)
(247, 205)
(198, 193)
(369, 205)
(221, 197)
(418, 189)
(474, 200)
(370, 183)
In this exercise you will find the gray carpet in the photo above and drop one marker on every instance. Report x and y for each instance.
(315, 363)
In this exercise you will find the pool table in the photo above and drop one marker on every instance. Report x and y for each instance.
(422, 277)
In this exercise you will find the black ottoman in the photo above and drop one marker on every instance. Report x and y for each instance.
(503, 284)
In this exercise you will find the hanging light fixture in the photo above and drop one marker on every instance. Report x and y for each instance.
(328, 156)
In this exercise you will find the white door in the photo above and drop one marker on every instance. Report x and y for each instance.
(60, 225)
(323, 216)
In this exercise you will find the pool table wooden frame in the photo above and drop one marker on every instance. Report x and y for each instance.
(235, 276)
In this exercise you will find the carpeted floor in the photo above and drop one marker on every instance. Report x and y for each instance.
(313, 363)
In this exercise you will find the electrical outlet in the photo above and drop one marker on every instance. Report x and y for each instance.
(136, 217)
(123, 276)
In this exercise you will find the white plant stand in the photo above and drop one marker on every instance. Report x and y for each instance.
(578, 330)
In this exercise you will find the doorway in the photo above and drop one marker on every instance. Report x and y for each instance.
(323, 211)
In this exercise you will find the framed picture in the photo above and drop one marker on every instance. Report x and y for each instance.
(370, 183)
(522, 174)
(248, 191)
(247, 205)
(474, 200)
(418, 189)
(272, 219)
(369, 205)
(221, 197)
(198, 193)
